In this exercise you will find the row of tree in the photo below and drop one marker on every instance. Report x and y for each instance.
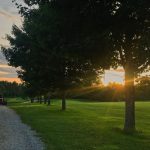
(8, 89)
(66, 43)
(113, 92)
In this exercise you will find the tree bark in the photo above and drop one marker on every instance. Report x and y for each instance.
(32, 100)
(63, 101)
(40, 100)
(49, 101)
(45, 99)
(129, 125)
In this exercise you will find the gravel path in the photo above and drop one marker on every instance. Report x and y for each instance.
(14, 135)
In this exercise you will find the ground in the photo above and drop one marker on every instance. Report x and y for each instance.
(14, 135)
(86, 125)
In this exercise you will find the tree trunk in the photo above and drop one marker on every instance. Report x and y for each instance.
(45, 99)
(32, 100)
(63, 101)
(40, 100)
(129, 125)
(49, 101)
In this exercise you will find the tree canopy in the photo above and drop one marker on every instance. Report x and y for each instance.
(40, 48)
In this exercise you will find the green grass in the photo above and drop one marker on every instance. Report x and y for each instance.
(85, 125)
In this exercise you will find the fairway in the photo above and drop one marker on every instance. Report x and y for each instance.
(85, 125)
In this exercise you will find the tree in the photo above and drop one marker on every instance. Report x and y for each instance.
(143, 81)
(43, 54)
(130, 41)
(142, 88)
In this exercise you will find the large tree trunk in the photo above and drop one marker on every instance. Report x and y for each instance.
(129, 125)
(63, 101)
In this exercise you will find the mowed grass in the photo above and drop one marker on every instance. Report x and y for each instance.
(85, 125)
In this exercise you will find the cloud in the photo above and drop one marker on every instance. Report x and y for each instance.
(12, 17)
(4, 42)
(5, 66)
(2, 59)
(7, 75)
(2, 13)
(7, 71)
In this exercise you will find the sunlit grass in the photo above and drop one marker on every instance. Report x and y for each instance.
(86, 125)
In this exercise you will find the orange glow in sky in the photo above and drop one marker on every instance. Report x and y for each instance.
(8, 73)
(11, 79)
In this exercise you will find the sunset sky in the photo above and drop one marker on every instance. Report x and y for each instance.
(8, 17)
(114, 76)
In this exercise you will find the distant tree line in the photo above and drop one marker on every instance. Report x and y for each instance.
(113, 92)
(12, 89)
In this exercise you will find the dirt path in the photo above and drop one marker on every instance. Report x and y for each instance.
(14, 135)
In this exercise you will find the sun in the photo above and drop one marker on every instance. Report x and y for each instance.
(112, 75)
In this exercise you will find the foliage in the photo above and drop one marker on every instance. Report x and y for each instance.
(44, 56)
(8, 89)
(143, 88)
(130, 37)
